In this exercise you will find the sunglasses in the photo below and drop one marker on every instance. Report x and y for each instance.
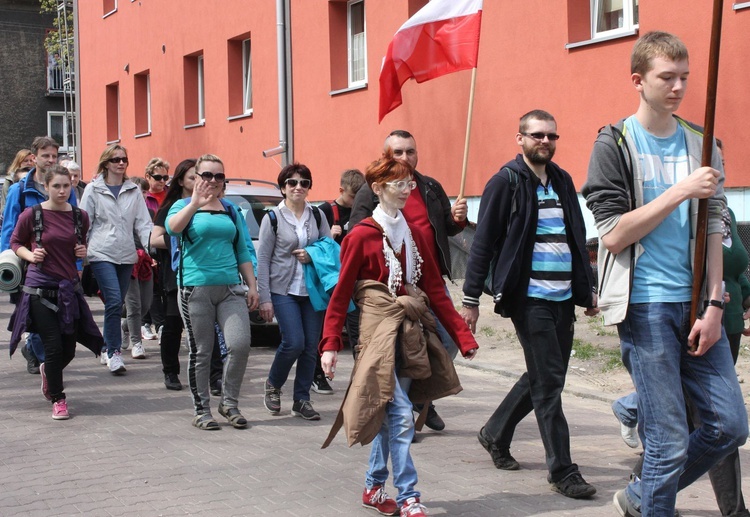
(540, 136)
(118, 160)
(160, 177)
(293, 182)
(208, 176)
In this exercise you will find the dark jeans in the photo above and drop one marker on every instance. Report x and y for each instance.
(545, 330)
(171, 336)
(59, 349)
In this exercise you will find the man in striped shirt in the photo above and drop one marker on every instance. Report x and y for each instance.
(532, 240)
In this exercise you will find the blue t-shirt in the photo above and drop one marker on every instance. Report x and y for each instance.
(551, 264)
(663, 272)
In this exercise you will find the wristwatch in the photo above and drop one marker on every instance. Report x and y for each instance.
(716, 303)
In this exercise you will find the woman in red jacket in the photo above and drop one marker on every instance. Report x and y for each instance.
(384, 249)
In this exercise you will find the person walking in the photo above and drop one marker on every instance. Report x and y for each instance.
(531, 238)
(117, 211)
(644, 182)
(51, 236)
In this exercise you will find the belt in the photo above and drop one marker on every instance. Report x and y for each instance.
(42, 293)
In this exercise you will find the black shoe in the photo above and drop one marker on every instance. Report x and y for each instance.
(234, 416)
(32, 363)
(172, 382)
(433, 420)
(320, 385)
(500, 457)
(305, 409)
(574, 486)
(216, 388)
(272, 399)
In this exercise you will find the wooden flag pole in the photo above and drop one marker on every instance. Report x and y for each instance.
(468, 132)
(699, 266)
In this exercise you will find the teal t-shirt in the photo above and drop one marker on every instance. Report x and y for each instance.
(663, 272)
(208, 257)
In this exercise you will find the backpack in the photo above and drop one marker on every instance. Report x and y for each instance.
(275, 221)
(38, 227)
(176, 242)
(513, 182)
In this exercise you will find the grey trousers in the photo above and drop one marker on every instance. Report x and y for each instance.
(137, 302)
(200, 307)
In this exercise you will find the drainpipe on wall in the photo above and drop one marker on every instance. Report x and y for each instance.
(77, 151)
(283, 65)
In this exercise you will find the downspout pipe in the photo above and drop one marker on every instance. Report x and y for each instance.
(281, 69)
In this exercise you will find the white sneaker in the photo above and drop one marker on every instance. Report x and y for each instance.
(116, 365)
(103, 359)
(629, 435)
(147, 333)
(125, 333)
(138, 352)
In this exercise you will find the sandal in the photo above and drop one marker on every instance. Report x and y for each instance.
(206, 422)
(234, 416)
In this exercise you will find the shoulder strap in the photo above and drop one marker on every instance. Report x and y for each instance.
(78, 223)
(336, 215)
(316, 214)
(38, 224)
(274, 220)
(513, 181)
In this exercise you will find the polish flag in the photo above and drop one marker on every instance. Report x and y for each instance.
(441, 38)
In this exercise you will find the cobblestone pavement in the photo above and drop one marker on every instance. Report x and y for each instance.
(129, 449)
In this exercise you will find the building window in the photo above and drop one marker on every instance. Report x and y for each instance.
(60, 128)
(54, 73)
(142, 102)
(240, 78)
(247, 77)
(416, 5)
(613, 16)
(195, 97)
(113, 112)
(108, 7)
(741, 5)
(356, 44)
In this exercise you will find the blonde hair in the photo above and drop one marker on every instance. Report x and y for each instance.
(156, 163)
(207, 158)
(18, 160)
(656, 44)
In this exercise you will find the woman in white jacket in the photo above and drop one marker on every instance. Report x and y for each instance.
(117, 212)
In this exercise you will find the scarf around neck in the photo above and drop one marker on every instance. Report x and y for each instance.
(397, 236)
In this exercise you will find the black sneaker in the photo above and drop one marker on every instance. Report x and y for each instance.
(500, 457)
(320, 385)
(216, 388)
(575, 487)
(172, 382)
(433, 420)
(305, 409)
(32, 363)
(272, 399)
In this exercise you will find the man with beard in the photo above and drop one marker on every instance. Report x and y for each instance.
(531, 238)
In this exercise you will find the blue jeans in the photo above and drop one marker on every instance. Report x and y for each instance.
(626, 409)
(545, 330)
(35, 345)
(653, 340)
(300, 327)
(113, 280)
(394, 440)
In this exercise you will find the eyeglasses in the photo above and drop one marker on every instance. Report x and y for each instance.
(160, 177)
(293, 182)
(552, 137)
(208, 176)
(118, 160)
(402, 185)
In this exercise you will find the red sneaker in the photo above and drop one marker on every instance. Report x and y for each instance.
(60, 410)
(413, 508)
(377, 499)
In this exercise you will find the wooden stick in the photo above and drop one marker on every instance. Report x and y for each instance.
(699, 266)
(468, 132)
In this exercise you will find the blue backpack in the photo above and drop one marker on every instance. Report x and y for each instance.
(176, 242)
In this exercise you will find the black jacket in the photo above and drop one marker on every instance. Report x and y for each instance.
(438, 212)
(509, 225)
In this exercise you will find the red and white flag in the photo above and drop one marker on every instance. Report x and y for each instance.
(441, 38)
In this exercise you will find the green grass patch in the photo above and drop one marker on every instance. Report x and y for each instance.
(585, 351)
(487, 331)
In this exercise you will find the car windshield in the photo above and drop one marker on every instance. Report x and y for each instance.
(255, 205)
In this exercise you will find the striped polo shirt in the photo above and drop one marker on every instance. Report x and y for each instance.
(551, 266)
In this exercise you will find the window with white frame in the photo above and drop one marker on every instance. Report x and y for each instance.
(142, 91)
(609, 17)
(201, 92)
(357, 43)
(741, 5)
(247, 77)
(60, 128)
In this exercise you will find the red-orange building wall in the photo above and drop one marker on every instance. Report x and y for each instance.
(523, 64)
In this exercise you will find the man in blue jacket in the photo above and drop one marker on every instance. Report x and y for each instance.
(30, 191)
(532, 239)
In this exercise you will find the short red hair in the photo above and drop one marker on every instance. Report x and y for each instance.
(387, 169)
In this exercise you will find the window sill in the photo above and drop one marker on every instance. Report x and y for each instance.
(143, 135)
(741, 5)
(600, 39)
(193, 126)
(348, 89)
(113, 11)
(110, 142)
(240, 117)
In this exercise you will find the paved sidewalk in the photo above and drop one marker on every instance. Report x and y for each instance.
(129, 449)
